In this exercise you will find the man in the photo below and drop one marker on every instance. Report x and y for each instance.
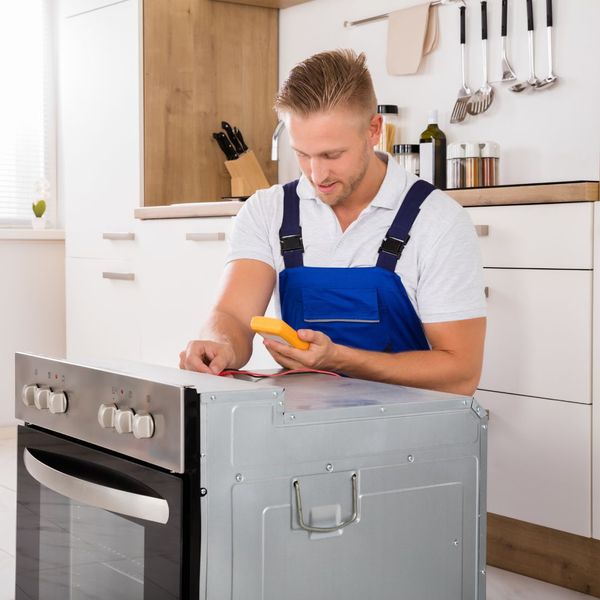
(372, 301)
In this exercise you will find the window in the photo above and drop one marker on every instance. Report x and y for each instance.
(27, 110)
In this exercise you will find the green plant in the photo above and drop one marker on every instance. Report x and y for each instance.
(39, 208)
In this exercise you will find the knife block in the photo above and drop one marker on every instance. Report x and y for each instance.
(246, 175)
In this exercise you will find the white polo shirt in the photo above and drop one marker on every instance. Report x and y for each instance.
(440, 266)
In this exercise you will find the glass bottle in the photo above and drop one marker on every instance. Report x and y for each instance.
(490, 157)
(472, 165)
(456, 166)
(389, 129)
(407, 156)
(432, 152)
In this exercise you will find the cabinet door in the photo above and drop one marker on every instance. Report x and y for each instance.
(539, 333)
(100, 126)
(539, 461)
(543, 236)
(103, 315)
(181, 264)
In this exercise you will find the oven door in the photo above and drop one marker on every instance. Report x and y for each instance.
(91, 524)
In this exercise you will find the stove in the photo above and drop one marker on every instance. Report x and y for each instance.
(142, 481)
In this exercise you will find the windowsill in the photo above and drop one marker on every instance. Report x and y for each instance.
(31, 234)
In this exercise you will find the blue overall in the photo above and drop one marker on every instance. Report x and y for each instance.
(361, 307)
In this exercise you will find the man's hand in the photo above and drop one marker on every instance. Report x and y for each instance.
(207, 357)
(321, 353)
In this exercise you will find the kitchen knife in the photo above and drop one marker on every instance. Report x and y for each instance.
(225, 145)
(232, 137)
(240, 137)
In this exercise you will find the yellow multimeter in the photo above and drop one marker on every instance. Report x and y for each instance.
(278, 330)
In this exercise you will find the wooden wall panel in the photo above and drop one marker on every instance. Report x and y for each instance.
(557, 557)
(204, 62)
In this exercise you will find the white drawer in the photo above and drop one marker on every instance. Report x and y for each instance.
(539, 333)
(539, 461)
(103, 316)
(548, 236)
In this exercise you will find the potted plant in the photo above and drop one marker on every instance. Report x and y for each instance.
(39, 220)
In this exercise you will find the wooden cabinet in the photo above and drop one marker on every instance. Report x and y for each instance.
(537, 374)
(204, 62)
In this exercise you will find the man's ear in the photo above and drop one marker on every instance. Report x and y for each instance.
(375, 129)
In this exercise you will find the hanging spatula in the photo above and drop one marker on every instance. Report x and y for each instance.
(464, 93)
(482, 99)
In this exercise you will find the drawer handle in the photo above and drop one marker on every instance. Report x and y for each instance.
(114, 235)
(217, 236)
(482, 230)
(486, 291)
(119, 276)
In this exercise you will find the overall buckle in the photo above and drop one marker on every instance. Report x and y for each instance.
(290, 243)
(393, 246)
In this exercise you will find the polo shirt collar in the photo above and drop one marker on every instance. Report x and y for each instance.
(389, 194)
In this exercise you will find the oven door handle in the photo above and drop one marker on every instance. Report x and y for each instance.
(118, 501)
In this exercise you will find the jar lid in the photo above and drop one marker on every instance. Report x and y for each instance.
(387, 109)
(472, 149)
(455, 151)
(406, 148)
(490, 149)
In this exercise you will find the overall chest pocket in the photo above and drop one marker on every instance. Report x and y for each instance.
(341, 305)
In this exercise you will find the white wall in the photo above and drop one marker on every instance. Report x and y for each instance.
(552, 135)
(32, 308)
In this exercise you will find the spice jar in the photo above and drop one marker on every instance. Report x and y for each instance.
(472, 165)
(456, 166)
(390, 127)
(490, 157)
(407, 156)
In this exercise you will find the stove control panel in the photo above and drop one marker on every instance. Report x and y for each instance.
(132, 414)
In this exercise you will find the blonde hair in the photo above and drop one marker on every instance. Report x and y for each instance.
(338, 78)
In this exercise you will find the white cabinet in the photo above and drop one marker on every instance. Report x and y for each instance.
(539, 462)
(100, 126)
(103, 309)
(537, 373)
(539, 333)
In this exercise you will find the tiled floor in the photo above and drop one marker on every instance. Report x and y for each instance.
(502, 585)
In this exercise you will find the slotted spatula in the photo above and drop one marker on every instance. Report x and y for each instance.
(482, 99)
(459, 111)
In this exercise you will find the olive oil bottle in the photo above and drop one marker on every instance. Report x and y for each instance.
(432, 153)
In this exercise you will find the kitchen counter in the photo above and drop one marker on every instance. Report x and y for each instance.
(543, 193)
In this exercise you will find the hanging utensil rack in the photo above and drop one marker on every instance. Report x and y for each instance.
(386, 15)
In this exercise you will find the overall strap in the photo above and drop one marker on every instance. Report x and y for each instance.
(397, 236)
(290, 233)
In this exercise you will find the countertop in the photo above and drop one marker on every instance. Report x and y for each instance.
(542, 193)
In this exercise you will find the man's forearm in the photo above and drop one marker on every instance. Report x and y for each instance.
(227, 329)
(430, 369)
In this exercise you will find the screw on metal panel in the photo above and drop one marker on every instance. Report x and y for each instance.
(213, 397)
(292, 417)
(280, 403)
(329, 467)
(465, 402)
(203, 492)
(202, 455)
(410, 458)
(382, 409)
(484, 426)
(239, 478)
(275, 394)
(478, 410)
(455, 543)
(482, 571)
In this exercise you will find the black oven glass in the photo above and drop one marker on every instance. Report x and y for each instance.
(69, 549)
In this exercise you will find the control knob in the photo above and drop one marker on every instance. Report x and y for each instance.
(40, 398)
(143, 425)
(57, 402)
(106, 415)
(28, 394)
(124, 420)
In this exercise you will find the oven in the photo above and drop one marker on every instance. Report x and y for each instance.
(108, 502)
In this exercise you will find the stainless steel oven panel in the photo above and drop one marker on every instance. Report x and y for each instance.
(86, 390)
